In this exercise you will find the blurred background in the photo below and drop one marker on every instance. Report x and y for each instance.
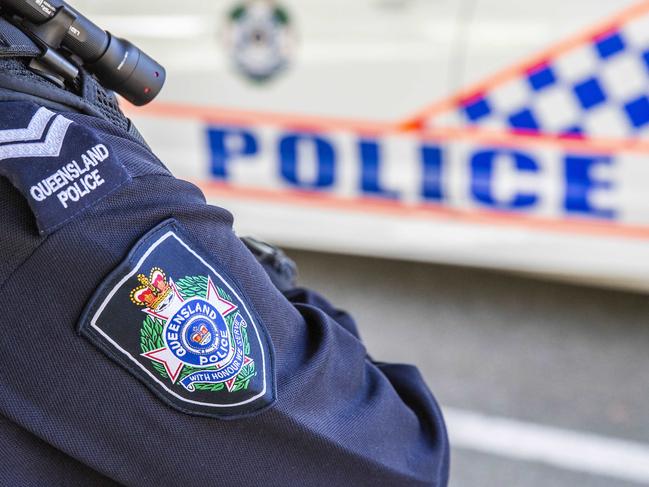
(467, 177)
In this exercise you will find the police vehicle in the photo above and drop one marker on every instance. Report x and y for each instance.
(490, 133)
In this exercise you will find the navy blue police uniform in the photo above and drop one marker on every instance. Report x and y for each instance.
(142, 342)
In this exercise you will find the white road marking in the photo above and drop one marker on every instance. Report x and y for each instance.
(560, 448)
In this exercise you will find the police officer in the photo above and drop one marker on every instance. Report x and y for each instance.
(142, 342)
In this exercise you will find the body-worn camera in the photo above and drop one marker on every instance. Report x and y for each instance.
(69, 40)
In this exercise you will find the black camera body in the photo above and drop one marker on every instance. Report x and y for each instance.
(69, 40)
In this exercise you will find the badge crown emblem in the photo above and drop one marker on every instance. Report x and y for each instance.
(154, 290)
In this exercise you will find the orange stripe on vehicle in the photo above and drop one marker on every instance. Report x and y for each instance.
(245, 117)
(533, 139)
(215, 115)
(573, 225)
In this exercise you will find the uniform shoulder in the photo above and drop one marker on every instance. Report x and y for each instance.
(63, 163)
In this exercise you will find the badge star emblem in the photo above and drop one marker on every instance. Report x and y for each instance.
(165, 311)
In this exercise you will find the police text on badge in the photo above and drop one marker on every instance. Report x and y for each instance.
(62, 165)
(73, 181)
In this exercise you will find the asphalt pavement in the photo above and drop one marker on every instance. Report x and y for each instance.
(546, 354)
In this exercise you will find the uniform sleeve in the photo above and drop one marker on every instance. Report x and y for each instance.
(307, 297)
(338, 418)
(382, 419)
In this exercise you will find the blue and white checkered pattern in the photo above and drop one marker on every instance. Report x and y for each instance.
(599, 89)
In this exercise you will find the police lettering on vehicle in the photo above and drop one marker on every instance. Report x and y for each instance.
(535, 179)
(565, 126)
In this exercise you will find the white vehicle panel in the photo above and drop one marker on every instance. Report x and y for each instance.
(364, 144)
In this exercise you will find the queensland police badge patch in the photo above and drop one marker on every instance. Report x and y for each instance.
(181, 326)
